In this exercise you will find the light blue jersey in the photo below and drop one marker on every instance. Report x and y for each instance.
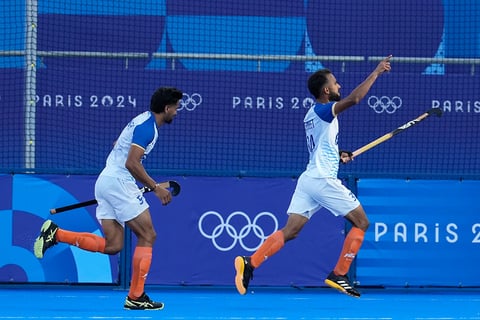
(141, 131)
(318, 186)
(321, 129)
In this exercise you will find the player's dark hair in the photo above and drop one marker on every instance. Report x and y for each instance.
(317, 80)
(164, 96)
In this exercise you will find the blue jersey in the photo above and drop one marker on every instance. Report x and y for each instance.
(141, 131)
(321, 129)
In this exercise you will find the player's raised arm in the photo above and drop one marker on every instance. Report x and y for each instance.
(362, 89)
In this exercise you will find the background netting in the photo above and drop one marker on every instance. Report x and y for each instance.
(74, 72)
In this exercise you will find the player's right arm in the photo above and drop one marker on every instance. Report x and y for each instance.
(362, 89)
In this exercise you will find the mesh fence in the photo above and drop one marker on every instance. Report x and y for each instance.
(74, 72)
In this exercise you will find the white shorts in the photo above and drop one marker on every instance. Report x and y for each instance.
(312, 194)
(118, 199)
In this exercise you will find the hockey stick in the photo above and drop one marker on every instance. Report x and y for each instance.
(434, 111)
(173, 185)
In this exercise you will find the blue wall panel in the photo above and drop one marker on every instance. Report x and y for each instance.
(423, 233)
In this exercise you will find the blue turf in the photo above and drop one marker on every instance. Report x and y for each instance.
(224, 303)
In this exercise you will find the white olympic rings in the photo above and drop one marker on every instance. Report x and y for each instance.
(236, 235)
(190, 102)
(384, 103)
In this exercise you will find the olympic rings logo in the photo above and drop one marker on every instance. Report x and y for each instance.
(237, 234)
(384, 104)
(190, 102)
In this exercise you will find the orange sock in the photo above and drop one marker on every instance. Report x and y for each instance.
(84, 240)
(351, 245)
(142, 259)
(271, 246)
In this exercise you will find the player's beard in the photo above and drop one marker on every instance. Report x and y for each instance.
(168, 121)
(334, 96)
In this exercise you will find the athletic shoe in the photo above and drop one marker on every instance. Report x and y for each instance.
(46, 239)
(142, 303)
(244, 269)
(342, 284)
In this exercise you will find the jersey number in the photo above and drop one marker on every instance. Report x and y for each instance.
(310, 143)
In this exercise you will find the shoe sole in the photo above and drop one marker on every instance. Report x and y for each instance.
(38, 245)
(146, 309)
(133, 306)
(46, 225)
(334, 285)
(240, 268)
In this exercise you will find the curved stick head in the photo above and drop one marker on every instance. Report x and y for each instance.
(435, 111)
(175, 187)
